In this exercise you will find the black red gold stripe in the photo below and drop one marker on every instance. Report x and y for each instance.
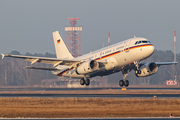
(108, 55)
(140, 46)
(126, 49)
(60, 74)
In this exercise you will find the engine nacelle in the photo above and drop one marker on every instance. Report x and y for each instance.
(87, 67)
(147, 70)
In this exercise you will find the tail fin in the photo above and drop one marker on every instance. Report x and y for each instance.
(60, 47)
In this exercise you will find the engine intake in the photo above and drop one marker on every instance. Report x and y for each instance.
(147, 70)
(87, 67)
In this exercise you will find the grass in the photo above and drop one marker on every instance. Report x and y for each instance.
(88, 107)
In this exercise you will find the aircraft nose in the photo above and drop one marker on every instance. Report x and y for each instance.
(151, 49)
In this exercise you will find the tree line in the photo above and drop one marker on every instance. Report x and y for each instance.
(13, 73)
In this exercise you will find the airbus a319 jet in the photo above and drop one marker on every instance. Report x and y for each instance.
(123, 56)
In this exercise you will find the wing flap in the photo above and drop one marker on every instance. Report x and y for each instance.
(42, 68)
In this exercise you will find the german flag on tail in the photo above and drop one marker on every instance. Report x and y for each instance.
(58, 41)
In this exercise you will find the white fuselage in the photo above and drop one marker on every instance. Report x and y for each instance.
(117, 56)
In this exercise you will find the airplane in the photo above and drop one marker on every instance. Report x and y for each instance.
(123, 56)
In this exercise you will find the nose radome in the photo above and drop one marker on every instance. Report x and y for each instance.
(151, 49)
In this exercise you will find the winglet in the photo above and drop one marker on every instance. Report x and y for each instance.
(2, 55)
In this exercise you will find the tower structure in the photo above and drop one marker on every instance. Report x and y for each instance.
(174, 76)
(108, 38)
(174, 46)
(73, 37)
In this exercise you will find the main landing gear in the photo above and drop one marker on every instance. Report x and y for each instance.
(124, 82)
(85, 81)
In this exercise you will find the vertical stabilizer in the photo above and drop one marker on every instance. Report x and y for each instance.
(60, 47)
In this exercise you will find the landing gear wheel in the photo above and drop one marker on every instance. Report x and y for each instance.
(121, 83)
(82, 81)
(138, 71)
(126, 83)
(87, 82)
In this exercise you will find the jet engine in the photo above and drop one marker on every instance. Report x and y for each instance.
(147, 70)
(87, 67)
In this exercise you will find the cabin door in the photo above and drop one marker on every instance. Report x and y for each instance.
(127, 44)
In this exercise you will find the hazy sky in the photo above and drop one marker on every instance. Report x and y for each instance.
(27, 25)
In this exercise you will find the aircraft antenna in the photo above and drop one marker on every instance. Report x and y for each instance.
(108, 38)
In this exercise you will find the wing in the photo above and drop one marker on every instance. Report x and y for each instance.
(132, 66)
(42, 68)
(54, 61)
(165, 63)
(159, 63)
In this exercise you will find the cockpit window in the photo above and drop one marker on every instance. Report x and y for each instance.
(144, 41)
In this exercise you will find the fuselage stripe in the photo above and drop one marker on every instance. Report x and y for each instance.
(126, 49)
(61, 73)
(140, 46)
(108, 55)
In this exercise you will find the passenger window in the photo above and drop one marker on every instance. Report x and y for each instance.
(136, 42)
(139, 42)
(149, 41)
(144, 41)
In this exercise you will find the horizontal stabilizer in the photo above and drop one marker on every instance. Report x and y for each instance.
(41, 68)
(2, 55)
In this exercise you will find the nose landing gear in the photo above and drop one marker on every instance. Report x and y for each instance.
(138, 71)
(136, 63)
